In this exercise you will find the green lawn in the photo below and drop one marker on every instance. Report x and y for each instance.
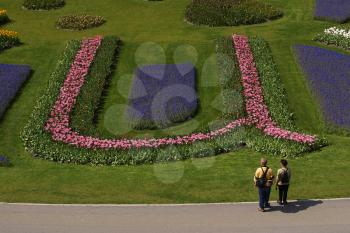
(224, 178)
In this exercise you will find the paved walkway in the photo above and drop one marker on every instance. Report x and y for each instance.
(331, 216)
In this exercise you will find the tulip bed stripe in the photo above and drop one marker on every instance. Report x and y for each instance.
(57, 140)
(256, 108)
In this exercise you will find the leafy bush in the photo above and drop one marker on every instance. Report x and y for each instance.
(8, 39)
(43, 4)
(230, 12)
(79, 22)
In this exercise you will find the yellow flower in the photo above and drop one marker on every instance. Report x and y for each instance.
(3, 12)
(8, 33)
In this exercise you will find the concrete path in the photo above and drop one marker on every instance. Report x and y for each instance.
(331, 216)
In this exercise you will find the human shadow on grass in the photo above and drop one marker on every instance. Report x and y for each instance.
(296, 206)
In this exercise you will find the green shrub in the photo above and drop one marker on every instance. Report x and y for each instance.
(3, 17)
(43, 4)
(230, 12)
(79, 22)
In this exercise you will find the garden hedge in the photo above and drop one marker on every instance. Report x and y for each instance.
(43, 4)
(230, 12)
(79, 22)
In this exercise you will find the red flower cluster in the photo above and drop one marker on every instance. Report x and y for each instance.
(58, 123)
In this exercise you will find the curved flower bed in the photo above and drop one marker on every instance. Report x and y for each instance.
(58, 124)
(337, 36)
(79, 21)
(52, 134)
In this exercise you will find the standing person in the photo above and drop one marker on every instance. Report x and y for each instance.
(263, 180)
(284, 175)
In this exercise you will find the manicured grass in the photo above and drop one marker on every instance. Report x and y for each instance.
(223, 178)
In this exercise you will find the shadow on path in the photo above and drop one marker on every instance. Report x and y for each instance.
(295, 206)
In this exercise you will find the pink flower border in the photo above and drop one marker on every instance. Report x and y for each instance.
(258, 114)
(256, 108)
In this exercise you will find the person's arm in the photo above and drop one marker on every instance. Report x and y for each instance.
(257, 175)
(278, 176)
(270, 177)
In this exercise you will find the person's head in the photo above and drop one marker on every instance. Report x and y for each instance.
(263, 162)
(284, 163)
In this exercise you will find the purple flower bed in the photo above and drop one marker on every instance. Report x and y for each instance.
(162, 95)
(328, 73)
(11, 79)
(334, 10)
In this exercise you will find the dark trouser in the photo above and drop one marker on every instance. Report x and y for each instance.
(264, 197)
(283, 193)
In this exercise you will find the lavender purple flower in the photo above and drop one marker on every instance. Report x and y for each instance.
(162, 95)
(12, 78)
(4, 161)
(333, 10)
(328, 73)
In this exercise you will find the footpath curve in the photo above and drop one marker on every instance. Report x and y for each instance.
(311, 216)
